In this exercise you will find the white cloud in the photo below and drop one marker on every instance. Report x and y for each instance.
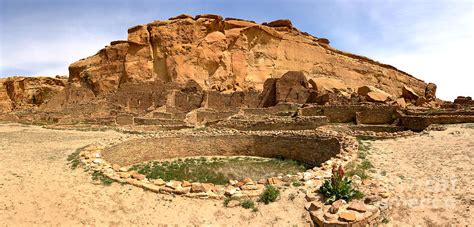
(434, 47)
(51, 56)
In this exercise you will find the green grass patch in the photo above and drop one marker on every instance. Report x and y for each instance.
(218, 170)
(297, 184)
(74, 159)
(270, 194)
(360, 169)
(469, 125)
(98, 176)
(364, 148)
(248, 204)
(363, 165)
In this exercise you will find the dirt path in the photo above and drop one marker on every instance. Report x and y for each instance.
(37, 187)
(431, 175)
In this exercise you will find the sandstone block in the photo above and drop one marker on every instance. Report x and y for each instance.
(409, 93)
(136, 175)
(347, 216)
(357, 206)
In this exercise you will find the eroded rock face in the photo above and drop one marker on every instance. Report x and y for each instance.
(228, 55)
(20, 92)
(5, 102)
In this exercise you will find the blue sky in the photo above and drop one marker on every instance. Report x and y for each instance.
(431, 39)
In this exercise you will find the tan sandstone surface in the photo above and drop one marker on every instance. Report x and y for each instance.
(228, 55)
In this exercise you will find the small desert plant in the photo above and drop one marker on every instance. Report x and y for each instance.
(297, 184)
(73, 159)
(217, 170)
(270, 194)
(98, 176)
(339, 187)
(360, 169)
(291, 196)
(248, 203)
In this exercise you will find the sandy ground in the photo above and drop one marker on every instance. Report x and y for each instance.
(431, 176)
(38, 188)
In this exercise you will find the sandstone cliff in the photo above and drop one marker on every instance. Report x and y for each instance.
(229, 55)
(28, 92)
(185, 63)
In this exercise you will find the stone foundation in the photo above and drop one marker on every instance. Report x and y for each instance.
(419, 123)
(370, 114)
(268, 122)
(317, 148)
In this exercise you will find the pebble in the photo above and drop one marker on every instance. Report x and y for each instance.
(308, 176)
(233, 203)
(310, 197)
(334, 208)
(159, 182)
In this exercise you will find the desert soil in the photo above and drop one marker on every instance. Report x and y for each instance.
(38, 188)
(431, 176)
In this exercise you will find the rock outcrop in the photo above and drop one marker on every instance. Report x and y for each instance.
(24, 92)
(185, 63)
(430, 92)
(228, 55)
(5, 101)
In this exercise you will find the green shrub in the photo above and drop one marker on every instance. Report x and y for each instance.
(248, 203)
(339, 187)
(270, 194)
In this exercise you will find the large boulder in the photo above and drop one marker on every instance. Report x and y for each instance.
(268, 95)
(323, 85)
(373, 94)
(430, 92)
(292, 87)
(401, 103)
(409, 93)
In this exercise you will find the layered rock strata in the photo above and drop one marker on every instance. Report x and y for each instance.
(228, 55)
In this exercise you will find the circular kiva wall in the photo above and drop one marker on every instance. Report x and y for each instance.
(312, 150)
